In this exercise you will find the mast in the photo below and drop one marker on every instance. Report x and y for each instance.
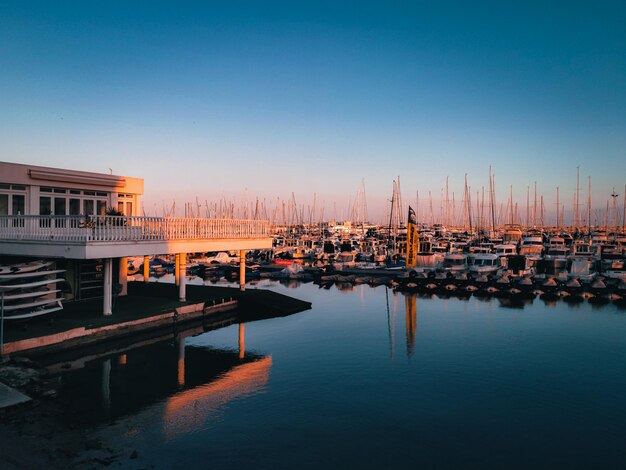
(527, 206)
(417, 206)
(624, 210)
(589, 207)
(430, 201)
(535, 207)
(469, 203)
(447, 219)
(511, 204)
(393, 196)
(557, 207)
(492, 200)
(614, 195)
(576, 199)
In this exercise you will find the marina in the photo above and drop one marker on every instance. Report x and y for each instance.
(312, 235)
(369, 363)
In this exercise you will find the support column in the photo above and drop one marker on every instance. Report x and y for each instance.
(242, 341)
(108, 287)
(177, 269)
(242, 270)
(146, 269)
(123, 276)
(182, 277)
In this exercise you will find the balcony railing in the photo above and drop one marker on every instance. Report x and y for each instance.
(121, 228)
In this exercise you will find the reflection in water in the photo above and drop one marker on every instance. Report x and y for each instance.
(181, 360)
(106, 384)
(410, 302)
(242, 341)
(188, 411)
(185, 382)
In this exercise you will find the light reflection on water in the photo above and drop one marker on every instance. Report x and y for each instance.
(372, 378)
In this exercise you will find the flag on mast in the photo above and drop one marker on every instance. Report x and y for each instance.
(411, 240)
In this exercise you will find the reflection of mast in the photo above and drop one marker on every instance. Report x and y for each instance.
(410, 302)
(389, 324)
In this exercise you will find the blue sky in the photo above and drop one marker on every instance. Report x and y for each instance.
(270, 98)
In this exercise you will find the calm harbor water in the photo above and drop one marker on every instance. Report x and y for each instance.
(370, 378)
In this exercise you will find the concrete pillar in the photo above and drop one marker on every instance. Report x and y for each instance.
(146, 269)
(108, 287)
(182, 294)
(123, 276)
(242, 341)
(177, 269)
(242, 270)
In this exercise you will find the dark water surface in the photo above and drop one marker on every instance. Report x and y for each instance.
(370, 378)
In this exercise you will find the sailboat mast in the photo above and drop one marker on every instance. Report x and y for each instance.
(576, 199)
(589, 207)
(447, 218)
(557, 207)
(492, 200)
(535, 207)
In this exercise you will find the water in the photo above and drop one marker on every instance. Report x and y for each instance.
(370, 378)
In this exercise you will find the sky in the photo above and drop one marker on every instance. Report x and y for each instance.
(239, 100)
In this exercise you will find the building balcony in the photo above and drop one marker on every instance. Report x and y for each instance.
(90, 237)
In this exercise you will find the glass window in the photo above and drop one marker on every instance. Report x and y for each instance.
(60, 190)
(18, 204)
(101, 194)
(18, 187)
(129, 208)
(60, 205)
(88, 207)
(74, 191)
(4, 204)
(89, 193)
(45, 205)
(120, 206)
(102, 207)
(5, 186)
(74, 206)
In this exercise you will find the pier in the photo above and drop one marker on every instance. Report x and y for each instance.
(147, 307)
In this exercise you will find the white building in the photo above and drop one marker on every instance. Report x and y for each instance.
(60, 214)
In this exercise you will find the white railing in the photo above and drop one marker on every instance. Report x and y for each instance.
(121, 228)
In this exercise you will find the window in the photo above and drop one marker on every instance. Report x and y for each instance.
(45, 205)
(74, 206)
(60, 206)
(88, 207)
(12, 199)
(18, 204)
(102, 207)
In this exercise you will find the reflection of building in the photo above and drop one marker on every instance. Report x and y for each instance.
(179, 385)
(73, 216)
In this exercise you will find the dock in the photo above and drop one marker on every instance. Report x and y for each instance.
(147, 307)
